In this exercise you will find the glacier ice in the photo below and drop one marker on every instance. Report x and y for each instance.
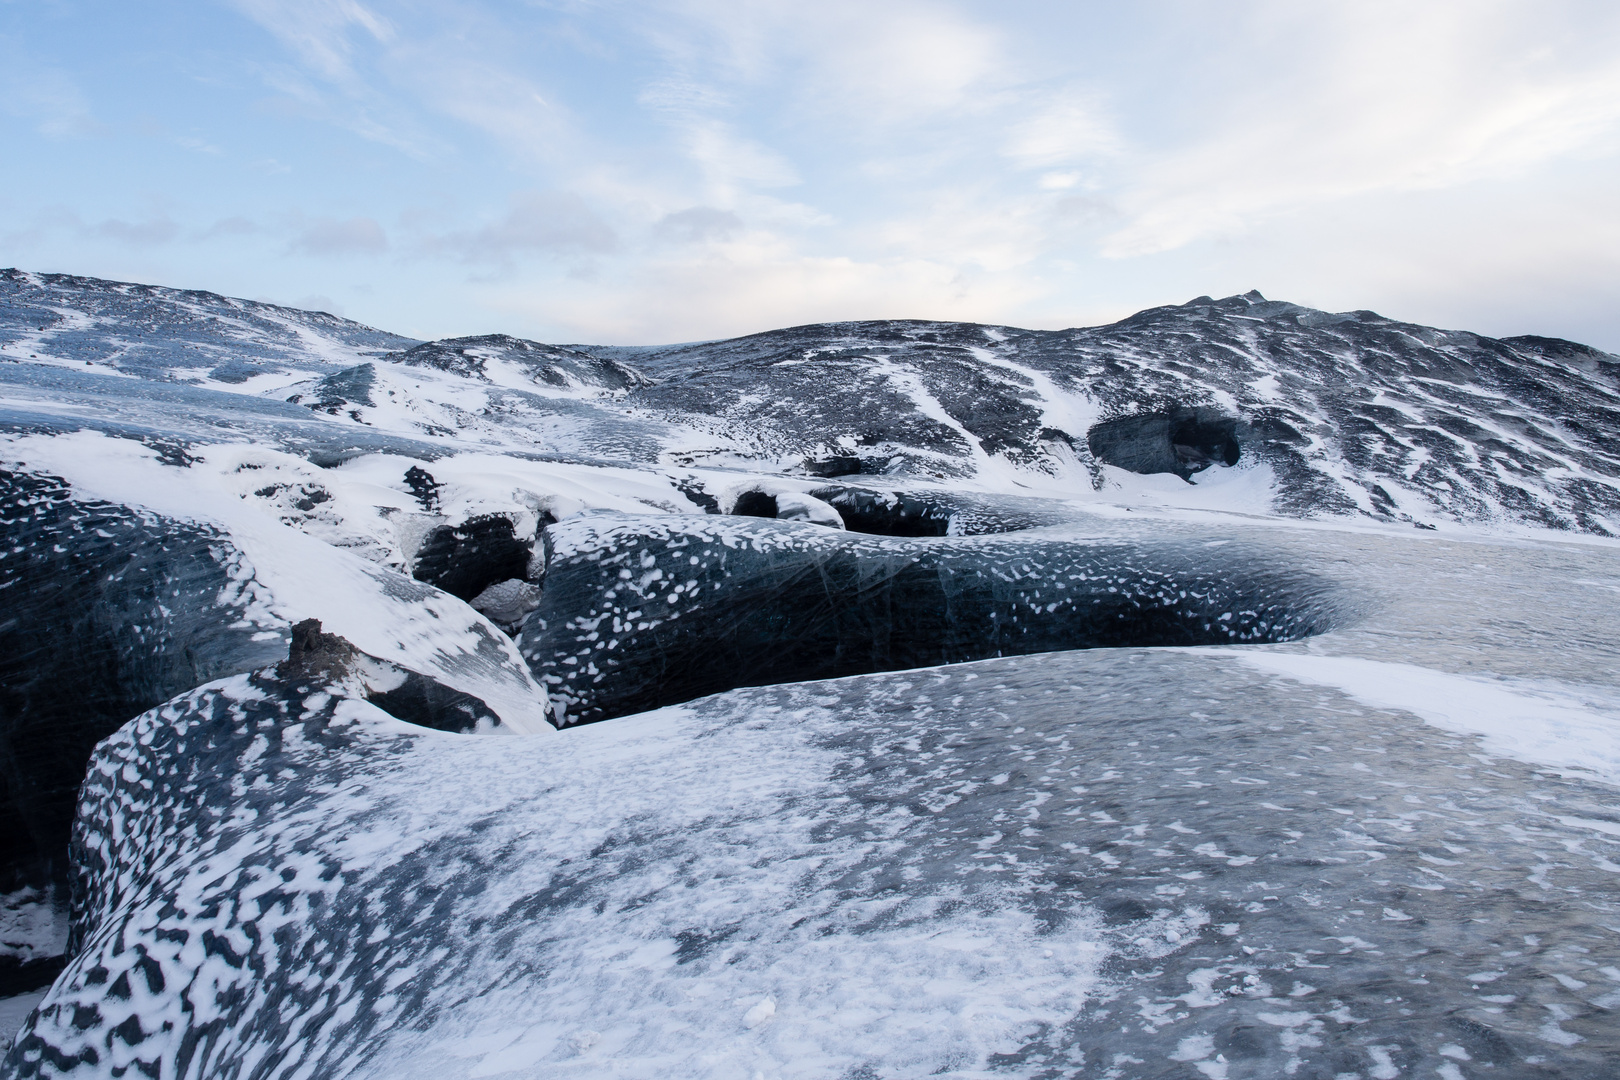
(638, 612)
(865, 807)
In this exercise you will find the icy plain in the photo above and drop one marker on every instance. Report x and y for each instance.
(1382, 844)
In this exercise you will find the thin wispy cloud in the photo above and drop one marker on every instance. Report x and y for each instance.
(320, 33)
(350, 236)
(44, 96)
(546, 223)
(1389, 98)
(158, 229)
(226, 227)
(698, 224)
(691, 168)
(1061, 129)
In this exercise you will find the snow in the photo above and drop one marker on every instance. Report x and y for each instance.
(14, 1011)
(909, 383)
(793, 503)
(32, 925)
(1542, 723)
(378, 610)
(1023, 866)
(718, 935)
(875, 858)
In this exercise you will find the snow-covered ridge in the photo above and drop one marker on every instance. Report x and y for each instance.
(507, 360)
(1371, 833)
(1319, 413)
(1352, 413)
(162, 333)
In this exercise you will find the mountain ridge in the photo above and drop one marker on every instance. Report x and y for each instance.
(1347, 413)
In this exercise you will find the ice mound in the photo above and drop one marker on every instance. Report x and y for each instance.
(1370, 833)
(639, 612)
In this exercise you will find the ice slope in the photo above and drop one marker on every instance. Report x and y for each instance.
(510, 361)
(1382, 850)
(152, 332)
(452, 410)
(140, 561)
(638, 612)
(73, 340)
(1117, 862)
(129, 575)
(1350, 413)
(1346, 414)
(301, 573)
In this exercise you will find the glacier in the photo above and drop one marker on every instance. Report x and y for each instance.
(1232, 691)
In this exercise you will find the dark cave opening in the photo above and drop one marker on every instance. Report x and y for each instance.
(836, 465)
(466, 559)
(1180, 441)
(315, 657)
(755, 504)
(883, 513)
(1198, 443)
(429, 703)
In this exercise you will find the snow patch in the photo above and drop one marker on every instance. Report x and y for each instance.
(1561, 726)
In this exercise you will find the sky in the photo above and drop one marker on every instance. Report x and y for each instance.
(673, 170)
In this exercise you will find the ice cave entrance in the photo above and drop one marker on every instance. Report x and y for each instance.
(1181, 441)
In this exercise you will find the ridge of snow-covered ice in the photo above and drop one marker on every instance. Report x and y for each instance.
(1381, 843)
(1344, 414)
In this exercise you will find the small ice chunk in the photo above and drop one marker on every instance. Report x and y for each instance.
(762, 1011)
(507, 601)
(1194, 1048)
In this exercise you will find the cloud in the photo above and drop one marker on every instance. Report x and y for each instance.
(44, 225)
(1061, 130)
(157, 229)
(870, 65)
(231, 226)
(319, 302)
(899, 63)
(44, 96)
(730, 162)
(356, 107)
(196, 145)
(152, 128)
(472, 86)
(380, 75)
(752, 288)
(538, 223)
(692, 167)
(773, 94)
(352, 236)
(318, 31)
(340, 43)
(698, 224)
(1366, 99)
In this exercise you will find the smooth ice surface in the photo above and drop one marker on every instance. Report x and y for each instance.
(1552, 724)
(1387, 849)
(1122, 862)
(639, 612)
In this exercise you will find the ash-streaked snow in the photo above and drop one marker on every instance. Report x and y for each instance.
(1384, 845)
(305, 573)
